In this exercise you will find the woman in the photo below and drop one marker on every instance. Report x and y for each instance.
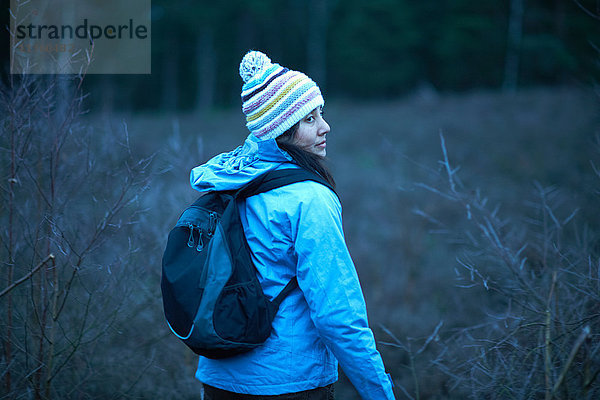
(295, 230)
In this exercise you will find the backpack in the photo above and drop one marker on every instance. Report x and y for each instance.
(212, 298)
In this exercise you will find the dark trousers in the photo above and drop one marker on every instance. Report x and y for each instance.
(322, 393)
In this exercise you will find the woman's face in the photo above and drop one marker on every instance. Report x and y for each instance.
(311, 132)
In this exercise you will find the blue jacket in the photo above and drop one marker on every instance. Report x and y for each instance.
(296, 230)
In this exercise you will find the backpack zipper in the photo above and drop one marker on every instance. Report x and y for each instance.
(200, 241)
(212, 227)
(212, 224)
(190, 242)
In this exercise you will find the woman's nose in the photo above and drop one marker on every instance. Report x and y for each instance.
(324, 128)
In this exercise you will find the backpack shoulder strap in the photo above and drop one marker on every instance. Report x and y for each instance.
(274, 179)
(277, 178)
(291, 285)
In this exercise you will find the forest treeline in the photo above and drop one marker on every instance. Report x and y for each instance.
(356, 48)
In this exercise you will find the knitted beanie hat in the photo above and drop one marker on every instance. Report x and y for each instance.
(274, 98)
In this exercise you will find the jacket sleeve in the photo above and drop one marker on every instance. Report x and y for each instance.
(328, 280)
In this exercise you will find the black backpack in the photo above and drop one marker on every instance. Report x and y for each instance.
(212, 298)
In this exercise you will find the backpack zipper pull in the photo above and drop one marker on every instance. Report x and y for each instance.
(212, 225)
(190, 242)
(200, 242)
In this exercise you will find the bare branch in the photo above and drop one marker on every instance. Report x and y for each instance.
(585, 333)
(431, 337)
(446, 164)
(27, 276)
(585, 10)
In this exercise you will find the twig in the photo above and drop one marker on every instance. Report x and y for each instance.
(585, 10)
(29, 275)
(547, 340)
(446, 163)
(431, 337)
(585, 333)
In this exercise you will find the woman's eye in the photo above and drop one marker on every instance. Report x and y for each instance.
(310, 118)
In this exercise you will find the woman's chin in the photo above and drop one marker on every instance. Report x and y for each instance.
(320, 150)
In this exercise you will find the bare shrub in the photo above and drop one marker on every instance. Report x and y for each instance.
(68, 237)
(535, 276)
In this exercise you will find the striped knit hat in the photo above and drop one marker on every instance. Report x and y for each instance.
(274, 98)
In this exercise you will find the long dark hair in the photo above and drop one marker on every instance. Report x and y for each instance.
(306, 159)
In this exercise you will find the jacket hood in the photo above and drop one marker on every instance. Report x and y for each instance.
(232, 170)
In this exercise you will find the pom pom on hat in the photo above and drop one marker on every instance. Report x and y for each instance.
(253, 63)
(275, 98)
